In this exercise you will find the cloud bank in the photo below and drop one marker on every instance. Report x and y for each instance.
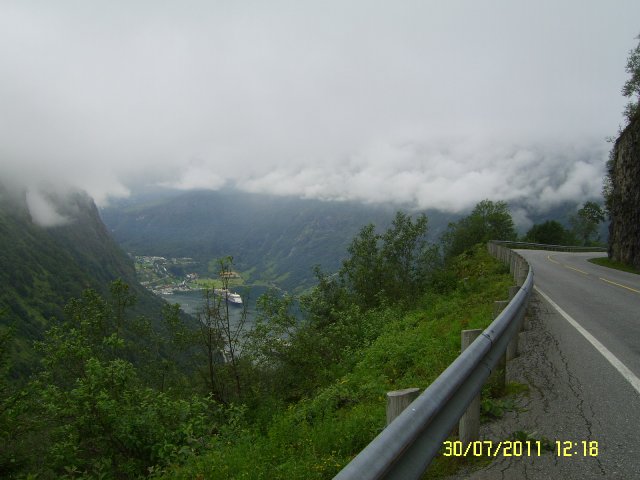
(424, 104)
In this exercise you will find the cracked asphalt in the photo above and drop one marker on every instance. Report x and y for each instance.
(574, 394)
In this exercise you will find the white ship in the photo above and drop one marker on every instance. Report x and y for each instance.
(231, 297)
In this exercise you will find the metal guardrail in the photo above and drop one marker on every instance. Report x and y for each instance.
(544, 246)
(407, 446)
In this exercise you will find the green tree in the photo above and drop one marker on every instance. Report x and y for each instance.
(586, 221)
(121, 299)
(407, 257)
(488, 221)
(281, 351)
(343, 311)
(631, 87)
(109, 425)
(275, 326)
(220, 337)
(99, 416)
(13, 451)
(363, 269)
(174, 353)
(392, 266)
(550, 232)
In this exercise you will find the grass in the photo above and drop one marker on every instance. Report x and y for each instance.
(217, 283)
(605, 262)
(316, 437)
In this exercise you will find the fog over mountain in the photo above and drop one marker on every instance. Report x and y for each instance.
(420, 103)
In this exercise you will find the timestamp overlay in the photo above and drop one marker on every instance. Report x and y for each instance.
(520, 448)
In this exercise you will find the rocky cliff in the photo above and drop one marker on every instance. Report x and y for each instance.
(624, 197)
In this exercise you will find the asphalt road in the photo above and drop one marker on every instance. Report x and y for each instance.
(604, 301)
(578, 392)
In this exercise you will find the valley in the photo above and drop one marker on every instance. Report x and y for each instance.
(275, 241)
(176, 280)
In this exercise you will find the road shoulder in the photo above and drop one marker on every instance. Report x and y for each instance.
(557, 406)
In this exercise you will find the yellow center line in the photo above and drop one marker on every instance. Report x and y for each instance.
(576, 269)
(565, 265)
(619, 285)
(552, 260)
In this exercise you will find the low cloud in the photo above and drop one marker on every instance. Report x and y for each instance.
(42, 210)
(451, 178)
(420, 104)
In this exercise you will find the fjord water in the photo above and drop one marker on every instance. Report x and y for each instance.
(191, 302)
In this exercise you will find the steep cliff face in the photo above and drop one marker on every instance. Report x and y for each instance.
(624, 200)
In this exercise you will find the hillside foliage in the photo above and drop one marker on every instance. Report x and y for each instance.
(488, 221)
(631, 88)
(116, 395)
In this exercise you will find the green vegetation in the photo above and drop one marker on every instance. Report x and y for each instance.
(162, 275)
(41, 269)
(605, 262)
(551, 233)
(121, 396)
(488, 221)
(583, 231)
(217, 283)
(90, 412)
(631, 87)
(585, 222)
(318, 434)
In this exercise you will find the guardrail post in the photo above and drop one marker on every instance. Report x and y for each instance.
(498, 306)
(526, 324)
(498, 376)
(512, 293)
(469, 426)
(522, 273)
(513, 290)
(398, 400)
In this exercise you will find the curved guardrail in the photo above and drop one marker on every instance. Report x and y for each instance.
(545, 246)
(406, 447)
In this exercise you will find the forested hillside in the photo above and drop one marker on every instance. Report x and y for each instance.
(42, 268)
(113, 405)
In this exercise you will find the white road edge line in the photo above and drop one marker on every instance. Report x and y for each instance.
(611, 358)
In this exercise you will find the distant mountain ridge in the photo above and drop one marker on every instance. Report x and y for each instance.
(42, 268)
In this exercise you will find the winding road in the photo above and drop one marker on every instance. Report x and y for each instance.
(603, 301)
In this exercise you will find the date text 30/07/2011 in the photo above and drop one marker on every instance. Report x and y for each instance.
(518, 448)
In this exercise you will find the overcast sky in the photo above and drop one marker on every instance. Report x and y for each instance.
(425, 103)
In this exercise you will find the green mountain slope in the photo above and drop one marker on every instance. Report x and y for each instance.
(41, 269)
